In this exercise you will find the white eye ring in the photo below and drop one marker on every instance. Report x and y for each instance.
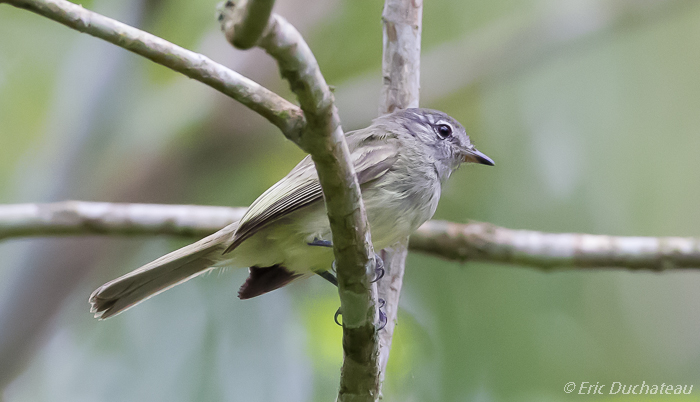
(443, 130)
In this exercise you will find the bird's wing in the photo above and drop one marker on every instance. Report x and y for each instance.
(301, 187)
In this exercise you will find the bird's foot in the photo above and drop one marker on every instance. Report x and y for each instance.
(378, 268)
(330, 277)
(378, 262)
(382, 316)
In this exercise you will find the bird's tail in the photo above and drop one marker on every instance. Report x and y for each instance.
(167, 271)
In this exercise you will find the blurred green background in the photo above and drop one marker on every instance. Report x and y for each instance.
(591, 110)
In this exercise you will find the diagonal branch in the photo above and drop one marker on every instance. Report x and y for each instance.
(273, 107)
(324, 140)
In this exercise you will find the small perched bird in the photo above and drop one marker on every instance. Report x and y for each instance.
(401, 162)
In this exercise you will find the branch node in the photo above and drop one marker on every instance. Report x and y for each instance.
(243, 24)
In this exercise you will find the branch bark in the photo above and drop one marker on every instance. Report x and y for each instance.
(324, 140)
(471, 242)
(248, 21)
(81, 218)
(554, 251)
(402, 25)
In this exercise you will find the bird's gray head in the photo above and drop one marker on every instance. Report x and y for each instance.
(447, 141)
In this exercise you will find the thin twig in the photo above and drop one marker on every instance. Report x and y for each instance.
(470, 242)
(81, 218)
(554, 251)
(402, 25)
(280, 112)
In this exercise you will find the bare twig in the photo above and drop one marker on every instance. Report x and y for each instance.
(324, 140)
(402, 22)
(476, 241)
(549, 251)
(276, 109)
(80, 218)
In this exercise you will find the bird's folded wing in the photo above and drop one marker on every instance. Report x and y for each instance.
(301, 188)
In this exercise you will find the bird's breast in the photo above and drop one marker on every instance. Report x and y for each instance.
(395, 210)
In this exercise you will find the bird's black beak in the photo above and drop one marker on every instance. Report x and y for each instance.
(474, 156)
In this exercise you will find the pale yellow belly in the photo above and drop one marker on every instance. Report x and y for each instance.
(285, 242)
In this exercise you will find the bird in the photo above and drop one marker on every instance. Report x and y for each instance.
(401, 160)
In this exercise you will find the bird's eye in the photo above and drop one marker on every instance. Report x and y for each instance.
(443, 130)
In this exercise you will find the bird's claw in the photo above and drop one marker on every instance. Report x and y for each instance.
(379, 274)
(378, 268)
(335, 317)
(382, 316)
